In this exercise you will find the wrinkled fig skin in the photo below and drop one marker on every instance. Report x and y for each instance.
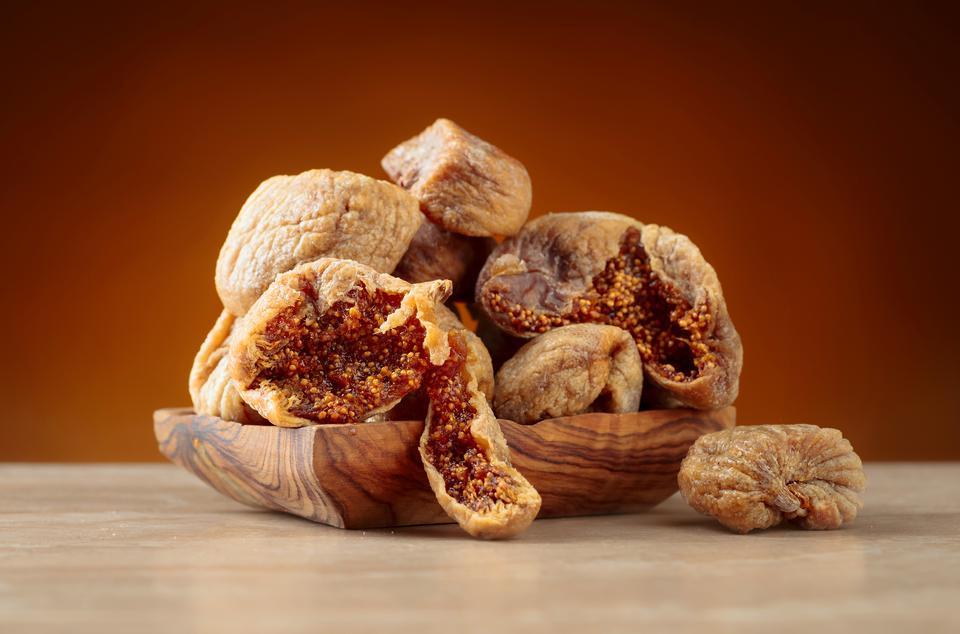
(463, 183)
(570, 370)
(303, 298)
(550, 267)
(478, 359)
(320, 213)
(755, 477)
(211, 390)
(552, 261)
(437, 254)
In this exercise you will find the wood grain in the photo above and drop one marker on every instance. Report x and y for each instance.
(608, 463)
(370, 475)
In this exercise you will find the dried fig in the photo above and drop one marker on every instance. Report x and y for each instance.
(601, 267)
(465, 454)
(211, 390)
(464, 184)
(319, 213)
(414, 406)
(334, 341)
(437, 254)
(754, 477)
(477, 359)
(570, 370)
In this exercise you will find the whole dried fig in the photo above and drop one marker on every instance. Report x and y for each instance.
(601, 267)
(319, 213)
(755, 477)
(465, 454)
(334, 341)
(211, 390)
(570, 370)
(437, 254)
(464, 184)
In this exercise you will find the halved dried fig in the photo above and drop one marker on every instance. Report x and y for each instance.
(755, 477)
(477, 359)
(334, 341)
(414, 406)
(465, 454)
(601, 267)
(211, 390)
(319, 213)
(570, 370)
(437, 254)
(464, 184)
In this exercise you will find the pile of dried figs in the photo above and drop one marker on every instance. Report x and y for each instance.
(338, 292)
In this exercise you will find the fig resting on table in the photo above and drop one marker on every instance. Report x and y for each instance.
(757, 476)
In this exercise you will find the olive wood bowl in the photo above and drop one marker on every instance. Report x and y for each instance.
(370, 475)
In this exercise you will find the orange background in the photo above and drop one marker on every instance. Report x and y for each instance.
(810, 151)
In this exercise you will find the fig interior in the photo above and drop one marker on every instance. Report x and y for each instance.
(671, 335)
(338, 367)
(451, 448)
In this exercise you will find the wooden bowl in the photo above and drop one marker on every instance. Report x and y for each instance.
(370, 475)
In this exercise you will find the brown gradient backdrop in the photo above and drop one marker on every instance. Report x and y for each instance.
(811, 152)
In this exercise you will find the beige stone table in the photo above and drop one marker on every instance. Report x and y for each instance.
(147, 548)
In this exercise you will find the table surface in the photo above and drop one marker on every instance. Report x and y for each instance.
(142, 548)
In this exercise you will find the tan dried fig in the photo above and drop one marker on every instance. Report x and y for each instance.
(601, 267)
(211, 390)
(319, 213)
(465, 454)
(437, 254)
(570, 370)
(464, 184)
(334, 341)
(755, 477)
